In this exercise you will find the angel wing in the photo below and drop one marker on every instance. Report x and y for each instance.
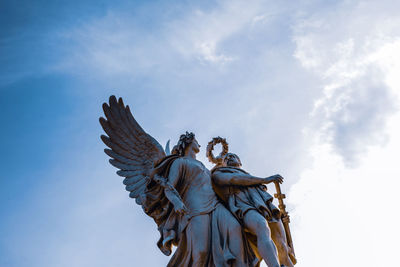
(132, 150)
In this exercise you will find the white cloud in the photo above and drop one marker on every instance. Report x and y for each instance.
(202, 34)
(116, 45)
(348, 217)
(345, 48)
(345, 202)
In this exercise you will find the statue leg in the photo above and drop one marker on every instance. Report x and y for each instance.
(279, 238)
(199, 231)
(256, 224)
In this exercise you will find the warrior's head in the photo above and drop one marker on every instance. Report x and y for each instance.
(231, 160)
(187, 144)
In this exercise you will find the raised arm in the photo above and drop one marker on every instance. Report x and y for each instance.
(243, 179)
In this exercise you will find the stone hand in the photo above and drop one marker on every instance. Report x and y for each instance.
(274, 178)
(181, 208)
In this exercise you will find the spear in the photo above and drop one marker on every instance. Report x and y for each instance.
(285, 220)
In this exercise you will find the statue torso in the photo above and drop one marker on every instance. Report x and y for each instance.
(197, 193)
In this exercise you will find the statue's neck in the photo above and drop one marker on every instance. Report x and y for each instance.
(191, 154)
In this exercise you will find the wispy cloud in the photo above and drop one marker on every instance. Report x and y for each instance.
(341, 46)
(355, 52)
(229, 61)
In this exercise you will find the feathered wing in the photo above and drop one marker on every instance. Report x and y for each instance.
(131, 149)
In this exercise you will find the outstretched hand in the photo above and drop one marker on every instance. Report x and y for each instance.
(274, 178)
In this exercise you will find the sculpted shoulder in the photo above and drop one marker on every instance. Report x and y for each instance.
(178, 163)
(183, 162)
(227, 170)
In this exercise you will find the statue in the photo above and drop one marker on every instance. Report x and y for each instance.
(247, 198)
(177, 191)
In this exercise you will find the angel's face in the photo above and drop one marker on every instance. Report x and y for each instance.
(195, 146)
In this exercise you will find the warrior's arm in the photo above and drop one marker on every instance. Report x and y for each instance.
(225, 178)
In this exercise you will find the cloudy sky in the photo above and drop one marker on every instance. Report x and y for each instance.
(308, 89)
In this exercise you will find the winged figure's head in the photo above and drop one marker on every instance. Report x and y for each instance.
(232, 160)
(186, 142)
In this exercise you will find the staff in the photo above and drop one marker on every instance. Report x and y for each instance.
(285, 219)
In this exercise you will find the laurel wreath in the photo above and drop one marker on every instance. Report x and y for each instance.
(210, 147)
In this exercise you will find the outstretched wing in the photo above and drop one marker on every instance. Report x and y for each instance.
(132, 150)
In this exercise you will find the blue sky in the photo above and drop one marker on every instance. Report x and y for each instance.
(307, 89)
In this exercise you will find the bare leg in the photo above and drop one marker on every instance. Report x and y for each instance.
(279, 238)
(256, 224)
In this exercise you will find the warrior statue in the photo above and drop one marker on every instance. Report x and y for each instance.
(247, 198)
(176, 191)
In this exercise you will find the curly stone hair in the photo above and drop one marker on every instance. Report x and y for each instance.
(184, 141)
(227, 155)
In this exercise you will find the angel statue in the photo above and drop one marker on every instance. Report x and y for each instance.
(176, 191)
(247, 198)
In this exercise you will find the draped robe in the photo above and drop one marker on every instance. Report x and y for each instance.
(208, 233)
(240, 199)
